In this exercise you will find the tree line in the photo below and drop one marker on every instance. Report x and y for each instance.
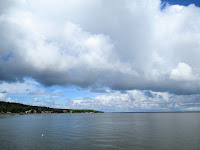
(10, 107)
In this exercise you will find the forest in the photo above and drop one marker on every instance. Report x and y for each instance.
(10, 107)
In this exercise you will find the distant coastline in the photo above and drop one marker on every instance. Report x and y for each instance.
(161, 112)
(18, 108)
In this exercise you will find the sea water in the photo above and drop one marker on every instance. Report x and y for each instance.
(123, 131)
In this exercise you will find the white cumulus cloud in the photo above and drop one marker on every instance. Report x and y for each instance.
(182, 72)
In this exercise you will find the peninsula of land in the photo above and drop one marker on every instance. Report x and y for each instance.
(18, 108)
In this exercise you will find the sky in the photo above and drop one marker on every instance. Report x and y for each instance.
(113, 56)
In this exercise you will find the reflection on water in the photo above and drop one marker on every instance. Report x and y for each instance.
(154, 131)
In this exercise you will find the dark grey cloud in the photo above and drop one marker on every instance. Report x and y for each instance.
(98, 90)
(6, 5)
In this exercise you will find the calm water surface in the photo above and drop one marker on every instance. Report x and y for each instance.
(151, 131)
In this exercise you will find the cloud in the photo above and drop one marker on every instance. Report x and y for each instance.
(18, 87)
(38, 92)
(137, 101)
(35, 99)
(193, 109)
(182, 72)
(124, 45)
(3, 96)
(11, 100)
(133, 100)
